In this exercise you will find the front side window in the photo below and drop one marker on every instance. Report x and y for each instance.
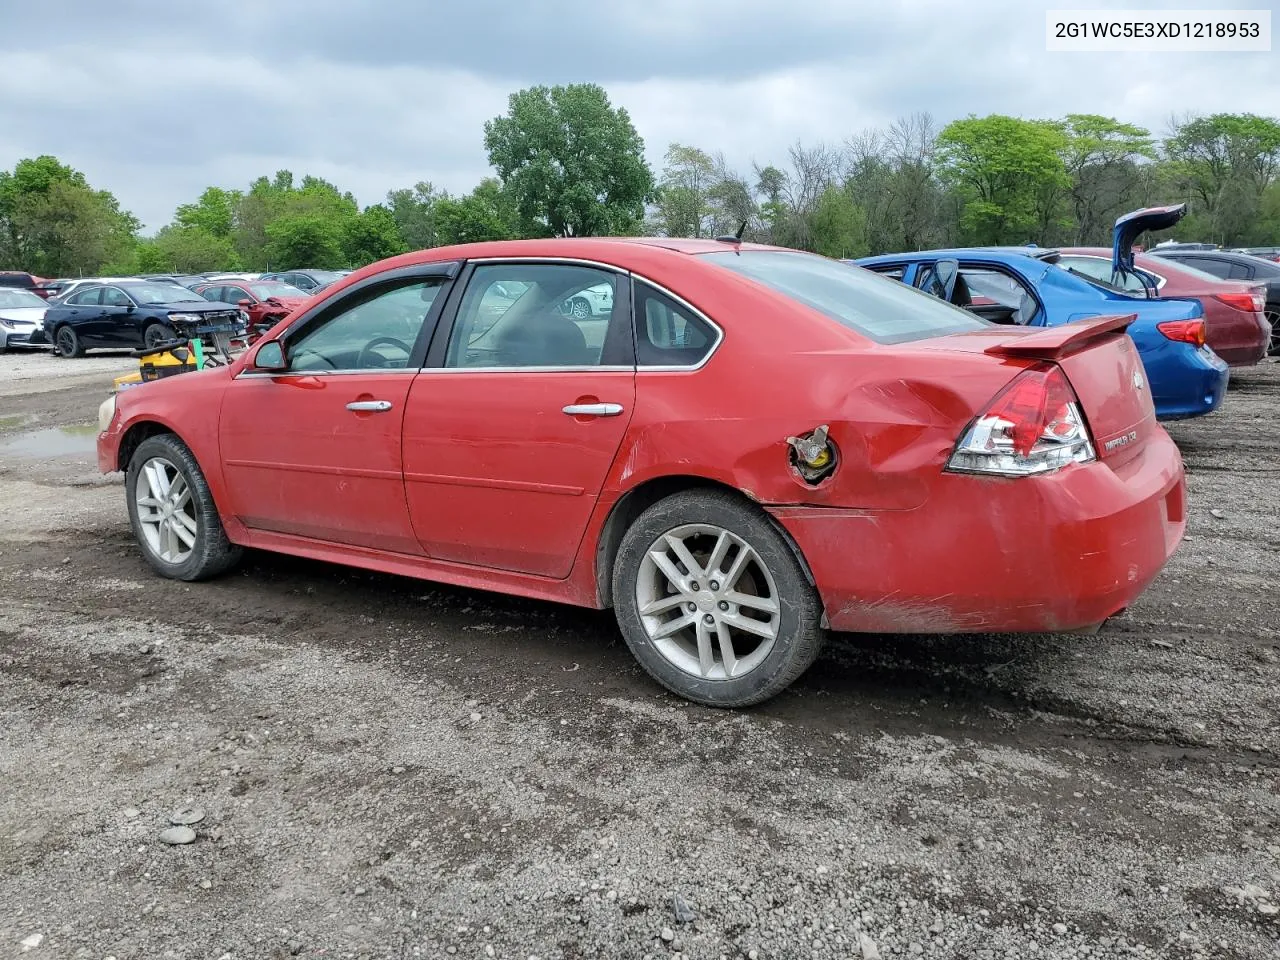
(236, 294)
(881, 310)
(371, 330)
(115, 297)
(986, 287)
(86, 298)
(526, 315)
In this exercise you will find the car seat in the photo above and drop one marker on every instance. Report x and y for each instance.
(545, 339)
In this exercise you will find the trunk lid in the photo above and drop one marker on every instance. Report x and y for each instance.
(1102, 364)
(1129, 227)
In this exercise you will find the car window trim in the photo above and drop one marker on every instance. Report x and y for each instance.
(438, 350)
(446, 270)
(681, 301)
(1160, 281)
(1041, 310)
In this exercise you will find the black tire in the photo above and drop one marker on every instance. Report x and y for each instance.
(800, 635)
(66, 343)
(1273, 318)
(211, 553)
(157, 333)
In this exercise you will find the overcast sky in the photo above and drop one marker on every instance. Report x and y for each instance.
(155, 99)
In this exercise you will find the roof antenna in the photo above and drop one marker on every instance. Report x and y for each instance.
(734, 238)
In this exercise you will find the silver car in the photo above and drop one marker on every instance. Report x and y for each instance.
(21, 319)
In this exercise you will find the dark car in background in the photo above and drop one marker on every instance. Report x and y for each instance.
(308, 281)
(134, 313)
(1266, 253)
(1229, 265)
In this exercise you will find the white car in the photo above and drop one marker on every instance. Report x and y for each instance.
(590, 303)
(21, 319)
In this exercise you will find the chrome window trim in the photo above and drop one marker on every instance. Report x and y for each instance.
(679, 368)
(1160, 281)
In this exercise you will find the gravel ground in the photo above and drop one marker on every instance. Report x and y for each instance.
(388, 768)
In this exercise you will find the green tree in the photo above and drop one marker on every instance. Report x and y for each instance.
(1101, 156)
(573, 164)
(372, 235)
(280, 198)
(214, 212)
(684, 193)
(484, 214)
(186, 249)
(838, 225)
(414, 211)
(304, 240)
(53, 223)
(1225, 163)
(1004, 169)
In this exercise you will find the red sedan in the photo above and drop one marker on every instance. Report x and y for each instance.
(1236, 327)
(266, 301)
(754, 445)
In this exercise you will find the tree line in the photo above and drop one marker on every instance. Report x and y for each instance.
(566, 162)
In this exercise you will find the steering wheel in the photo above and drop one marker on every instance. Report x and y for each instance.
(367, 352)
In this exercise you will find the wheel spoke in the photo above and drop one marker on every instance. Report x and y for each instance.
(183, 498)
(683, 555)
(188, 537)
(718, 552)
(674, 625)
(739, 564)
(661, 605)
(752, 602)
(185, 521)
(706, 653)
(156, 481)
(663, 563)
(168, 542)
(726, 649)
(747, 625)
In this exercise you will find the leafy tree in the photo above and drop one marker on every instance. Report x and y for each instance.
(304, 240)
(214, 212)
(1226, 162)
(414, 211)
(53, 223)
(1101, 156)
(372, 235)
(684, 192)
(485, 214)
(838, 225)
(1003, 167)
(573, 163)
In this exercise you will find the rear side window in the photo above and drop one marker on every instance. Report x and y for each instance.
(668, 334)
(880, 309)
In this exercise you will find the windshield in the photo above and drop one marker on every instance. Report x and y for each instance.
(884, 310)
(161, 293)
(11, 297)
(274, 289)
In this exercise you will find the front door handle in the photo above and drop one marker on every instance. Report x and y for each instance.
(375, 406)
(593, 409)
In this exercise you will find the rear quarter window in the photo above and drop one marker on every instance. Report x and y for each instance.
(876, 307)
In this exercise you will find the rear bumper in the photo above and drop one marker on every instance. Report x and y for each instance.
(1036, 554)
(1190, 383)
(1241, 340)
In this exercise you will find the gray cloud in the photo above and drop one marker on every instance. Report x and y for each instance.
(156, 101)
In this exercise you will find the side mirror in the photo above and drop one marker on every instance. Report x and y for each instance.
(244, 304)
(270, 357)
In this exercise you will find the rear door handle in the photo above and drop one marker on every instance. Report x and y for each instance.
(376, 406)
(593, 409)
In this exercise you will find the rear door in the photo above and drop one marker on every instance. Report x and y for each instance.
(510, 431)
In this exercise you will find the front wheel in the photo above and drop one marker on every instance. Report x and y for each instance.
(173, 514)
(712, 601)
(156, 334)
(67, 343)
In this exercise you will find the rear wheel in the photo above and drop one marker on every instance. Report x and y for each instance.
(67, 343)
(158, 333)
(579, 308)
(1273, 318)
(173, 514)
(712, 601)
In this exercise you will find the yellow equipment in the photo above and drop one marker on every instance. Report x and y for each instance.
(164, 361)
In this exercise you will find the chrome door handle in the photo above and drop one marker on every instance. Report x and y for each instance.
(377, 406)
(593, 409)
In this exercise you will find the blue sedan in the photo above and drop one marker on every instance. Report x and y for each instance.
(1021, 285)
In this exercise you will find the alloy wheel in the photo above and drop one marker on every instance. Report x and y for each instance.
(166, 511)
(66, 342)
(579, 309)
(707, 602)
(1273, 318)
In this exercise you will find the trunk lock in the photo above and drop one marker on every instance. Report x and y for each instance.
(813, 455)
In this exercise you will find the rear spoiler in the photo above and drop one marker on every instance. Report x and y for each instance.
(1055, 342)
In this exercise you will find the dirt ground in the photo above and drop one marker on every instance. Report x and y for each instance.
(389, 768)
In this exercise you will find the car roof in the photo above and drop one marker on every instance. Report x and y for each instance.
(1008, 255)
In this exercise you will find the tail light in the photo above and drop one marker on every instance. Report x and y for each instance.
(1248, 302)
(1184, 331)
(1032, 426)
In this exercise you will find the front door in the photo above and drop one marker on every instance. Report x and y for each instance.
(512, 428)
(315, 450)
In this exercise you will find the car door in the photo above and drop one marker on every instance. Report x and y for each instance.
(515, 422)
(119, 322)
(79, 310)
(314, 449)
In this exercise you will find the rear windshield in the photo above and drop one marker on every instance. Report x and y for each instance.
(883, 310)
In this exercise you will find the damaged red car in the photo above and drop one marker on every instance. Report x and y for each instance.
(753, 447)
(265, 301)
